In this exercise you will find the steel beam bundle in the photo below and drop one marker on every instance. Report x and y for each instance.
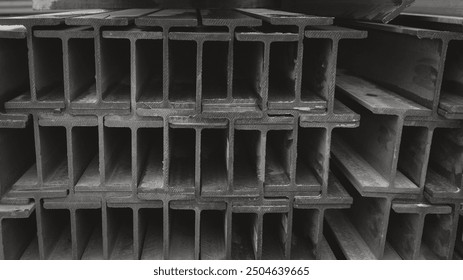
(444, 17)
(171, 134)
(403, 161)
(209, 134)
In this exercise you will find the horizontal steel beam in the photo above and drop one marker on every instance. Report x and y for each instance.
(366, 10)
(442, 8)
(83, 228)
(288, 156)
(221, 67)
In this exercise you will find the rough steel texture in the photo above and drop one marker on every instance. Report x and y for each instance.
(366, 10)
(404, 96)
(205, 134)
(433, 21)
(46, 89)
(406, 153)
(176, 175)
(389, 227)
(44, 5)
(446, 8)
(410, 49)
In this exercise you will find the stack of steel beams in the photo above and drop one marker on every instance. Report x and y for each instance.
(445, 17)
(216, 134)
(171, 134)
(404, 160)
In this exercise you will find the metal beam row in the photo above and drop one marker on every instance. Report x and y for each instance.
(184, 134)
(402, 162)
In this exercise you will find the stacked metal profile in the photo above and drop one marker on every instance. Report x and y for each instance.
(405, 158)
(207, 134)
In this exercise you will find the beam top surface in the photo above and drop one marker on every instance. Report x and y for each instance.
(169, 18)
(110, 18)
(377, 99)
(436, 18)
(331, 31)
(367, 10)
(227, 18)
(276, 17)
(420, 33)
(441, 8)
(16, 211)
(12, 32)
(424, 208)
(47, 19)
